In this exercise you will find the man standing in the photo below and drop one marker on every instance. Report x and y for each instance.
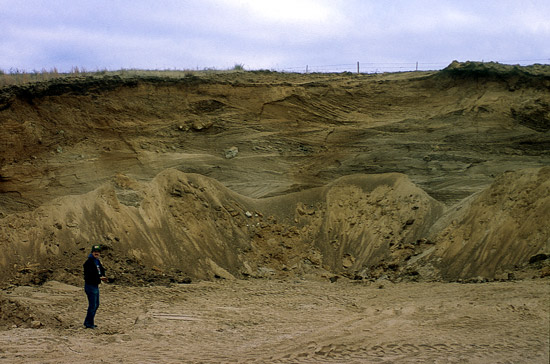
(94, 273)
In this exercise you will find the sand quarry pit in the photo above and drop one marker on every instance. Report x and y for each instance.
(267, 217)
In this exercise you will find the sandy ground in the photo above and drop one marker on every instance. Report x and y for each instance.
(297, 321)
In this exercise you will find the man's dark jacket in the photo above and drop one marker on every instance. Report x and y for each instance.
(93, 271)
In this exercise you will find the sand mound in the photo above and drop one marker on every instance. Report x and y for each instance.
(497, 230)
(185, 226)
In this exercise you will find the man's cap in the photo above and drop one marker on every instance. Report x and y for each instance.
(96, 248)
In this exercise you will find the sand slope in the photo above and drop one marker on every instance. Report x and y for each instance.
(497, 229)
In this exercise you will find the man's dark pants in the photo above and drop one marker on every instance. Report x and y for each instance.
(93, 303)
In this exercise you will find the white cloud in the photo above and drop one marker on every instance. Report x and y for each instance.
(286, 11)
(291, 20)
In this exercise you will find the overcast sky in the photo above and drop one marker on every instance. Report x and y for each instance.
(326, 35)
